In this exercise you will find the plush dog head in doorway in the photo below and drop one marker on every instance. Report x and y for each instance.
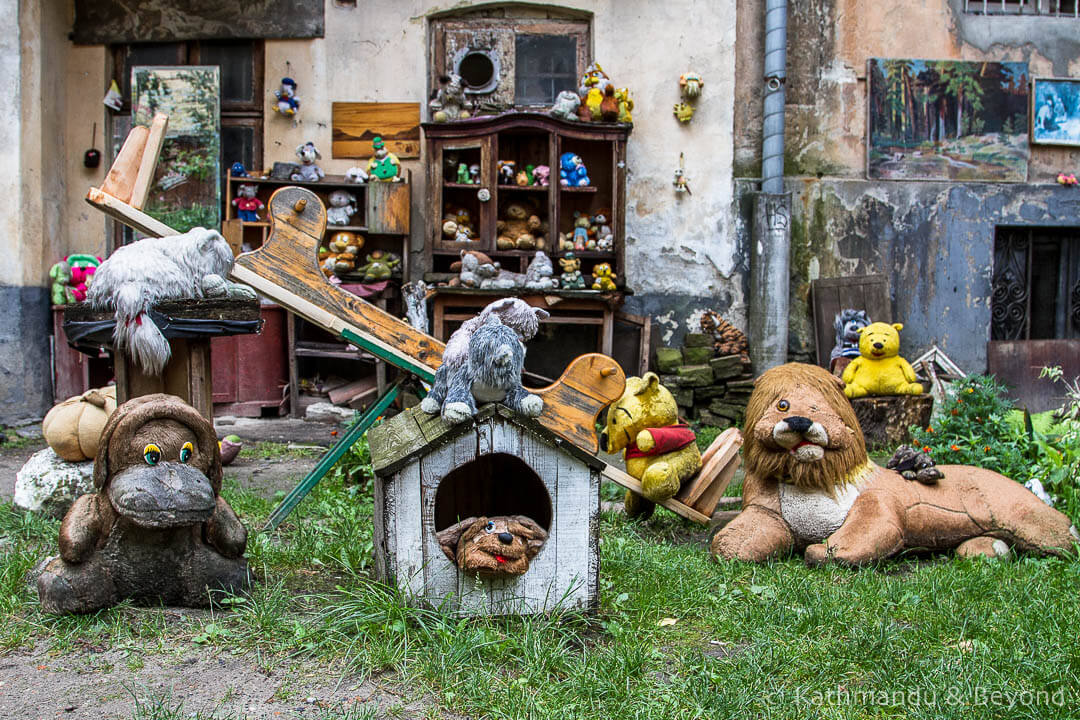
(493, 546)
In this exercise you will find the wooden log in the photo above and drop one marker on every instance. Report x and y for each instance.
(120, 180)
(886, 420)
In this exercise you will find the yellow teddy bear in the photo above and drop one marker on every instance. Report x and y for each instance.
(659, 451)
(603, 277)
(879, 369)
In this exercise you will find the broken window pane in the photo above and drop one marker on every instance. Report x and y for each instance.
(544, 66)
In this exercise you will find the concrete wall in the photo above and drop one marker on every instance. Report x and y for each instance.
(31, 199)
(934, 240)
(681, 251)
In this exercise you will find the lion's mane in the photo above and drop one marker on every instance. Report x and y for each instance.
(838, 466)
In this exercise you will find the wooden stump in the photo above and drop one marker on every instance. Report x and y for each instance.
(885, 420)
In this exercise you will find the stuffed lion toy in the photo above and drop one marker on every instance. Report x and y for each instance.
(879, 369)
(810, 487)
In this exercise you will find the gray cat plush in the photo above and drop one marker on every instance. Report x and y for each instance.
(483, 360)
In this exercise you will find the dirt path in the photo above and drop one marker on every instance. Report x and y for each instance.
(90, 685)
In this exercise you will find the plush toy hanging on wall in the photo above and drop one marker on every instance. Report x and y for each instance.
(157, 531)
(811, 488)
(288, 103)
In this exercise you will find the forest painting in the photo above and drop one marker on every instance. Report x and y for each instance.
(948, 120)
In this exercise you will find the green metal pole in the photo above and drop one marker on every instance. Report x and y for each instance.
(328, 460)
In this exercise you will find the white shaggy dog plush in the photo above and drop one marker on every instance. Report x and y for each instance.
(137, 276)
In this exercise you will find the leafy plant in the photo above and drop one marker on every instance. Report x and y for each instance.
(1059, 469)
(972, 428)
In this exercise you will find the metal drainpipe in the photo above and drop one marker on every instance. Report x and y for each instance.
(770, 249)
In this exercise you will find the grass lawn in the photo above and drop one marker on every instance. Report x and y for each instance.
(676, 634)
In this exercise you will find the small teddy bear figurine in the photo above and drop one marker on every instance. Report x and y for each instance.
(341, 207)
(879, 369)
(309, 171)
(603, 277)
(571, 278)
(247, 205)
(287, 102)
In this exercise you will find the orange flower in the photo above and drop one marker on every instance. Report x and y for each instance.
(929, 429)
(960, 401)
(333, 433)
(926, 448)
(986, 448)
(954, 447)
(955, 411)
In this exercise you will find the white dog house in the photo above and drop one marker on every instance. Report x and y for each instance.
(430, 475)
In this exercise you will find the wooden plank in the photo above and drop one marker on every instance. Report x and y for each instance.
(620, 477)
(831, 295)
(575, 400)
(355, 124)
(408, 561)
(120, 179)
(145, 177)
(441, 576)
(348, 391)
(725, 447)
(388, 208)
(572, 528)
(124, 213)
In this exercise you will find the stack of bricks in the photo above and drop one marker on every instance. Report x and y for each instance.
(710, 390)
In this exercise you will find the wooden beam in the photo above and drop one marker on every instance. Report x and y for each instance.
(125, 213)
(631, 483)
(145, 177)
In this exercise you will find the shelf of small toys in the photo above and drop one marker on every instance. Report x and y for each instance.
(495, 185)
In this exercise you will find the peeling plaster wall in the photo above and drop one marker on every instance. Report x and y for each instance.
(681, 252)
(933, 241)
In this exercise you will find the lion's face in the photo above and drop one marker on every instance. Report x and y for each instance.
(801, 429)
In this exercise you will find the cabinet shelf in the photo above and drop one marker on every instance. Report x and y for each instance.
(579, 189)
(525, 188)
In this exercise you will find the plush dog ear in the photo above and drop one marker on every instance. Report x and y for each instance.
(541, 314)
(534, 535)
(449, 538)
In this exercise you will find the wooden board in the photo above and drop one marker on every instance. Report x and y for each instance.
(1017, 363)
(145, 177)
(831, 295)
(356, 124)
(621, 477)
(125, 213)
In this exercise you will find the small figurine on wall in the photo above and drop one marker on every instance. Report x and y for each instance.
(309, 171)
(626, 105)
(691, 85)
(384, 165)
(681, 182)
(507, 172)
(603, 278)
(356, 175)
(449, 101)
(566, 105)
(684, 113)
(572, 170)
(247, 205)
(571, 278)
(287, 102)
(341, 208)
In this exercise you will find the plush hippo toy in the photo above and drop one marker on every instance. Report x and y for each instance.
(157, 531)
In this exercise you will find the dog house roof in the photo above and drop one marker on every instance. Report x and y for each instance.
(412, 433)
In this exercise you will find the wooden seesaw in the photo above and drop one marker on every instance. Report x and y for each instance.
(286, 270)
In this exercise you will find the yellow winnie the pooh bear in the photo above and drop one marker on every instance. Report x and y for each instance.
(879, 369)
(660, 451)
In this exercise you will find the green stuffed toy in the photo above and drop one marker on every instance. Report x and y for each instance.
(659, 450)
(879, 369)
(61, 279)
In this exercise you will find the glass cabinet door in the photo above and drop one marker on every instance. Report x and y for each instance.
(465, 178)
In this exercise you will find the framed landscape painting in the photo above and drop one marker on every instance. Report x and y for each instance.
(1055, 111)
(947, 120)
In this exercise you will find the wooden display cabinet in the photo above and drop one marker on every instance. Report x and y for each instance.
(526, 139)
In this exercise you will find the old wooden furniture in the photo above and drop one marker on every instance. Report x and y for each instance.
(251, 371)
(526, 139)
(382, 218)
(430, 475)
(831, 295)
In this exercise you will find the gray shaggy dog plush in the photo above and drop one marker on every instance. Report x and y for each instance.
(137, 276)
(492, 373)
(514, 313)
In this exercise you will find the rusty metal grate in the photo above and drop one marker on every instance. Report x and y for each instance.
(1035, 286)
(1045, 8)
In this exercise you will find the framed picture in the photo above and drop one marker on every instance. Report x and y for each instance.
(947, 120)
(187, 182)
(1055, 111)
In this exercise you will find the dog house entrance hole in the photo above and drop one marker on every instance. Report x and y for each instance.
(494, 484)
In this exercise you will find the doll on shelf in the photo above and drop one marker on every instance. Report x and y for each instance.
(247, 205)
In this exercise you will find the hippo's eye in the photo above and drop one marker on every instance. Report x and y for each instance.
(185, 452)
(783, 406)
(151, 453)
(490, 527)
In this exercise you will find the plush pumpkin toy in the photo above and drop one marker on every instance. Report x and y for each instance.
(879, 369)
(659, 450)
(73, 428)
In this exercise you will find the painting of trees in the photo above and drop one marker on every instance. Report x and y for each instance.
(946, 119)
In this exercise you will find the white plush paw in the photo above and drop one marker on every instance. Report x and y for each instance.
(429, 405)
(532, 406)
(456, 412)
(213, 285)
(241, 292)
